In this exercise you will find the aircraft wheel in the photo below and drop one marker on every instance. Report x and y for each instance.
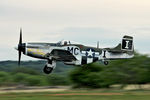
(106, 62)
(47, 70)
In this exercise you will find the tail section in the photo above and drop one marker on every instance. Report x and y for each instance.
(125, 46)
(124, 50)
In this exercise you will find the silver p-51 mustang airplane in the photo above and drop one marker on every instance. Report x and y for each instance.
(74, 54)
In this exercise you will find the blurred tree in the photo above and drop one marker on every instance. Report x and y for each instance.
(4, 76)
(19, 78)
(127, 71)
(88, 76)
(33, 80)
(132, 71)
(25, 70)
(54, 79)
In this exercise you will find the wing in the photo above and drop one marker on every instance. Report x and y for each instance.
(62, 55)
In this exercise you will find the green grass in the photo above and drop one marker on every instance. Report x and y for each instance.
(125, 95)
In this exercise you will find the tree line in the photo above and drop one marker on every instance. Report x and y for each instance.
(30, 77)
(96, 75)
(127, 71)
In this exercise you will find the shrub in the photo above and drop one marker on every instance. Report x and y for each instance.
(54, 79)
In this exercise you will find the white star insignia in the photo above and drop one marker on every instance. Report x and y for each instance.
(90, 53)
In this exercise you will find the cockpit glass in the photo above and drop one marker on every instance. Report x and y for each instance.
(64, 42)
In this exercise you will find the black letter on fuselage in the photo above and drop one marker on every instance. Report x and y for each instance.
(75, 52)
(71, 50)
(104, 54)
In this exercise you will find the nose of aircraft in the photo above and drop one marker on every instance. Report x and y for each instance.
(21, 47)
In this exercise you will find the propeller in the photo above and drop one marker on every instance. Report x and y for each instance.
(20, 47)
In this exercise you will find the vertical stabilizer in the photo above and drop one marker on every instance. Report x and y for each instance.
(127, 43)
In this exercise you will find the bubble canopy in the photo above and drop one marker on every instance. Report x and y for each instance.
(66, 42)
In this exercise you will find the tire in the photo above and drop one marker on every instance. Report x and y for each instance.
(47, 70)
(106, 62)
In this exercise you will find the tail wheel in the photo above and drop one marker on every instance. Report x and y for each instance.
(106, 62)
(47, 70)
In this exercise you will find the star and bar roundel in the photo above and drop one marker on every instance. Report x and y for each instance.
(89, 56)
(90, 53)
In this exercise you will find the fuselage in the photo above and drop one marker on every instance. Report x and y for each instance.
(82, 54)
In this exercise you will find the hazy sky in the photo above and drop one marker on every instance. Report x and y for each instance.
(84, 21)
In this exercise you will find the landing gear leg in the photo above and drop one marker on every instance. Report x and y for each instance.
(49, 66)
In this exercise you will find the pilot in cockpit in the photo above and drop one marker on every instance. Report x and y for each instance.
(65, 42)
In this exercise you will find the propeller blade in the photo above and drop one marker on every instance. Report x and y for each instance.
(20, 40)
(19, 53)
(20, 47)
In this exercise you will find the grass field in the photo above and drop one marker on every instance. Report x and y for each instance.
(80, 95)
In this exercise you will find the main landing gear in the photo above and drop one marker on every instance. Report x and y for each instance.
(51, 64)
